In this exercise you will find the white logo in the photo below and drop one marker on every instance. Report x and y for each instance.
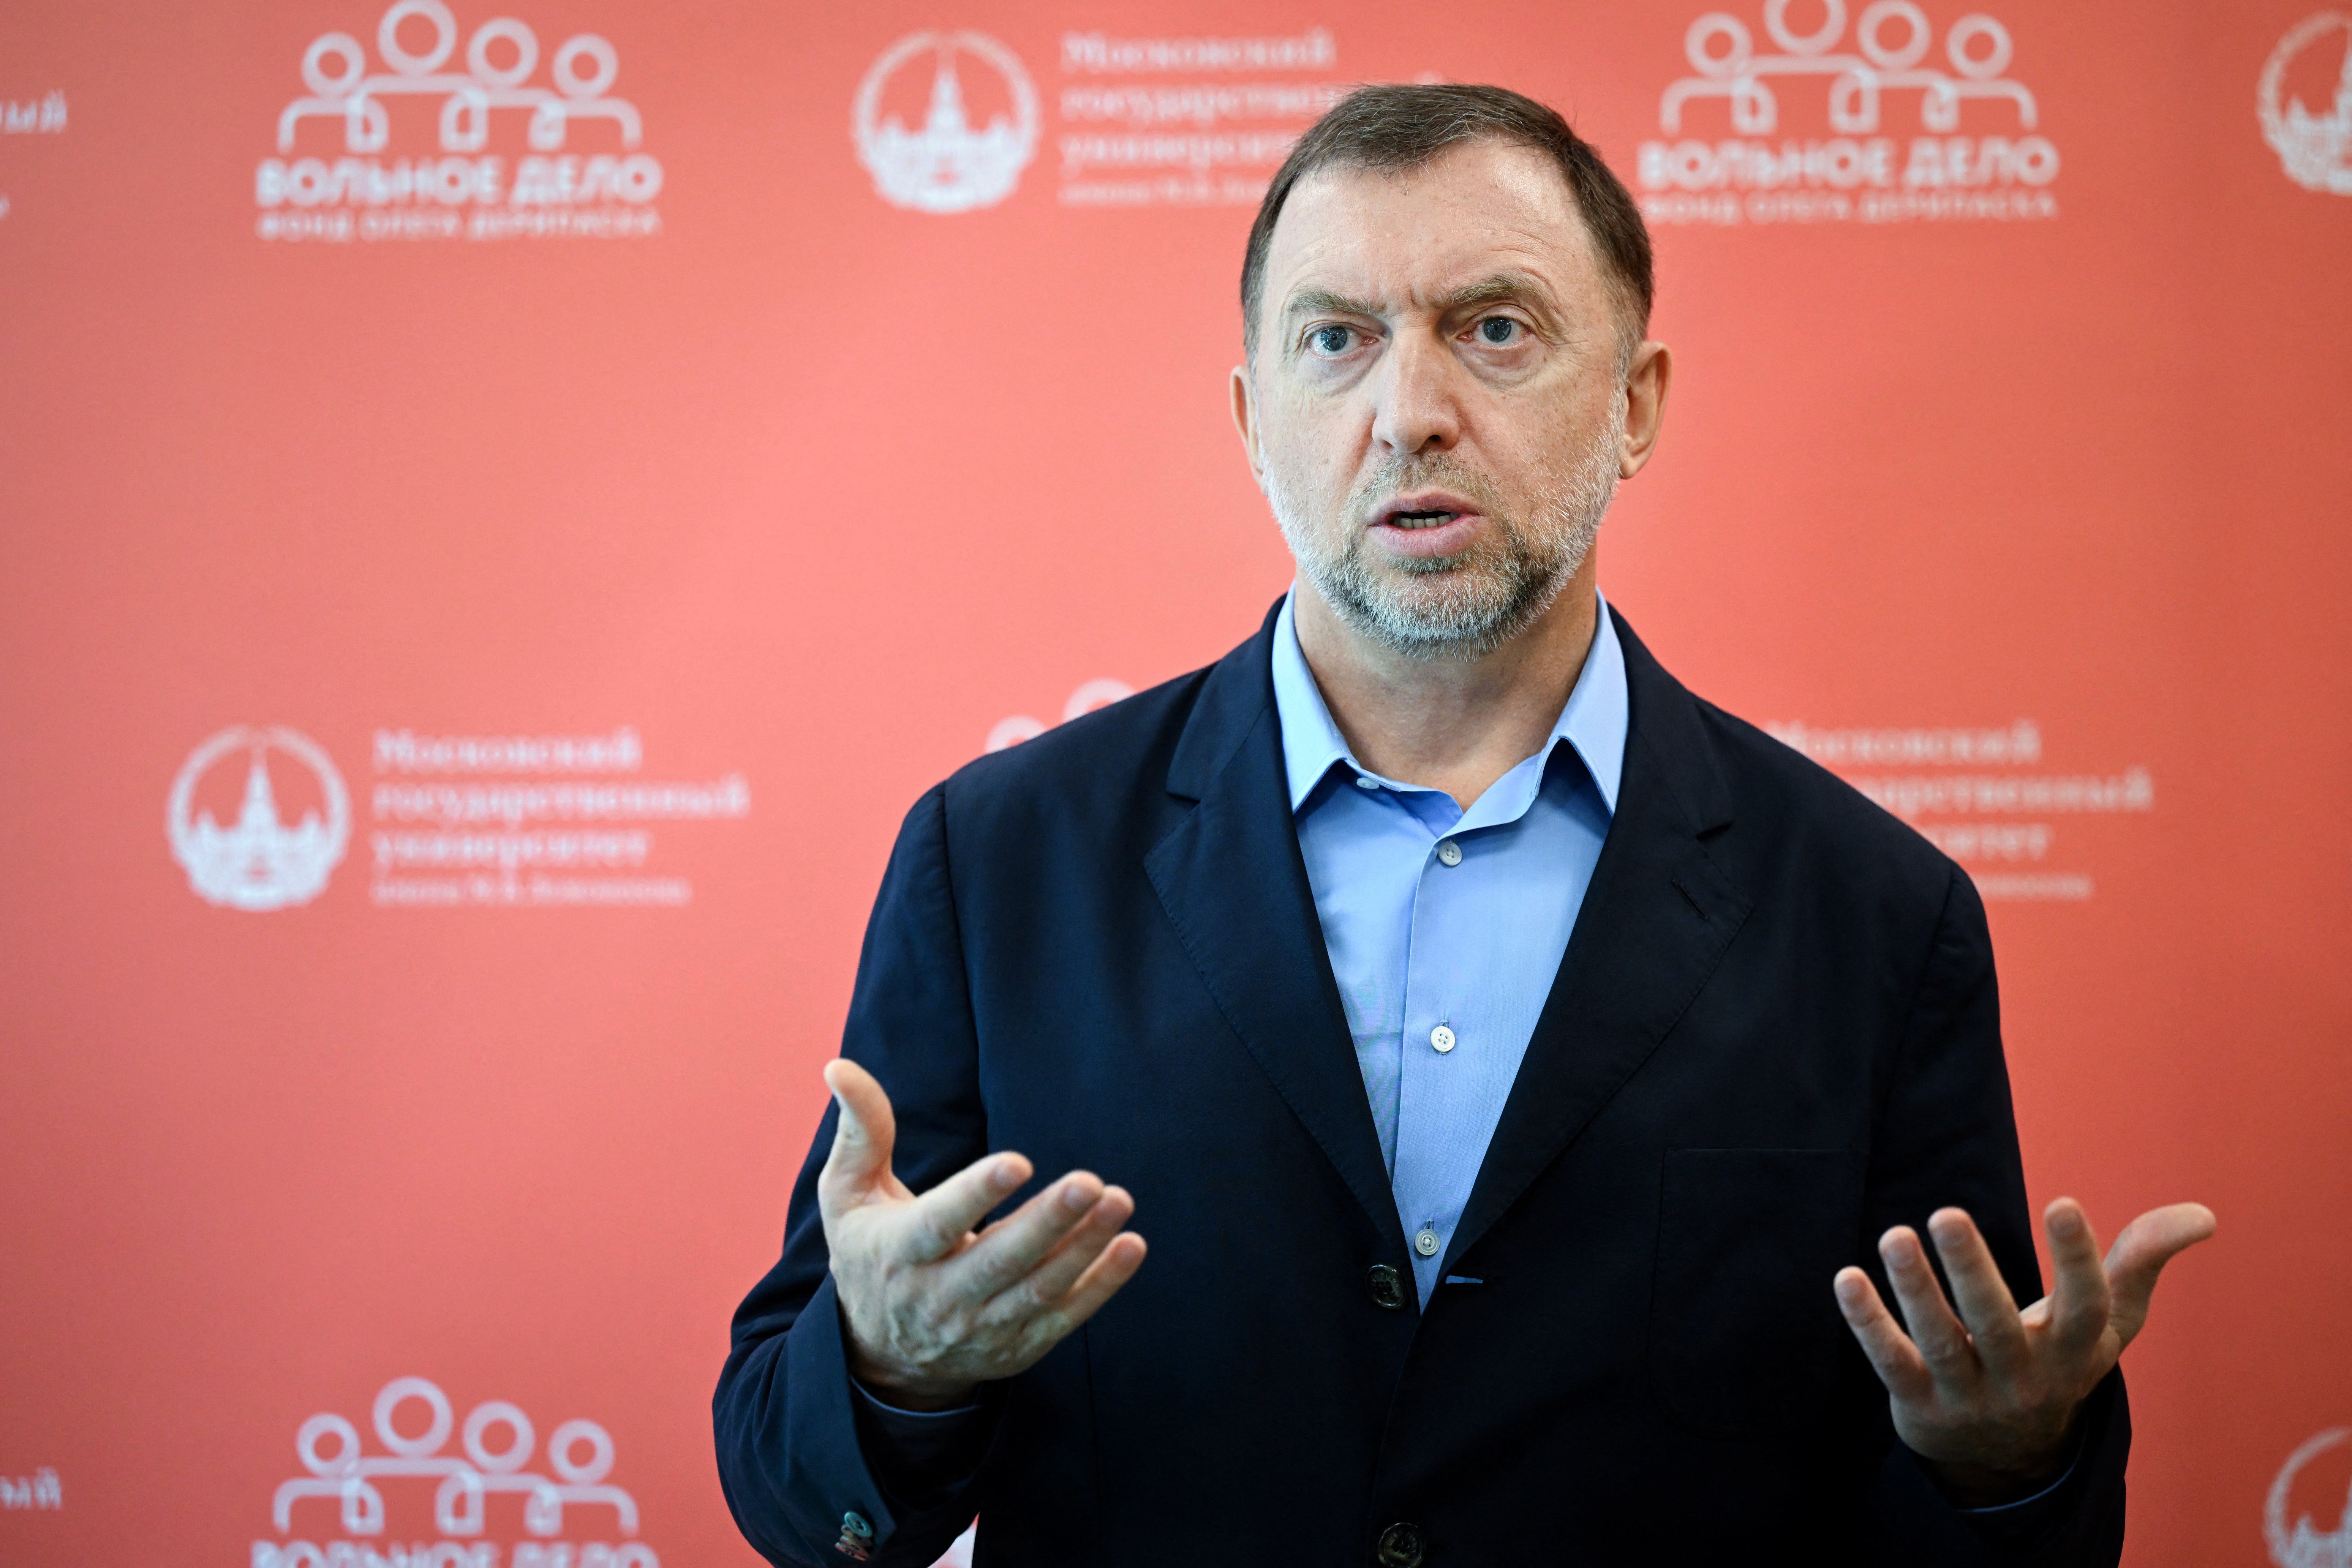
(1990, 164)
(2303, 1546)
(1094, 694)
(259, 863)
(579, 1452)
(45, 116)
(946, 166)
(583, 67)
(1723, 55)
(40, 1489)
(32, 117)
(553, 191)
(2314, 148)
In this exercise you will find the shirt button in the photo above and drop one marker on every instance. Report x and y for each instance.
(1401, 1547)
(1425, 1243)
(1449, 852)
(1442, 1038)
(1364, 783)
(1387, 1287)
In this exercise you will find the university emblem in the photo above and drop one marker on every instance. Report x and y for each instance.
(2315, 150)
(258, 862)
(2304, 1544)
(946, 166)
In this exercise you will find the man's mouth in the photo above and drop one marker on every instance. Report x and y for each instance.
(1426, 525)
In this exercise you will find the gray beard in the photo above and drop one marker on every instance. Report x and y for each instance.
(1461, 607)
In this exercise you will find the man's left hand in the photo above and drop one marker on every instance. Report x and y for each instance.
(1990, 1396)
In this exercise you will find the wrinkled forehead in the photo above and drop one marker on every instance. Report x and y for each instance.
(1414, 236)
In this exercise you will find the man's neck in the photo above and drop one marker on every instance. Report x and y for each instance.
(1452, 724)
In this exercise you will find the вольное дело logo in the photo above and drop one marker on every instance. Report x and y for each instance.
(476, 184)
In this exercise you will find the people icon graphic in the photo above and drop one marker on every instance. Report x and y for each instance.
(335, 70)
(497, 1440)
(1893, 37)
(1090, 695)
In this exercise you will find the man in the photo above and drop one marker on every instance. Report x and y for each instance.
(1521, 1064)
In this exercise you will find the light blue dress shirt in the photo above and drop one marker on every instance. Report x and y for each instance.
(1446, 927)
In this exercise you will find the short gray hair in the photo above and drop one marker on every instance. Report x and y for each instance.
(1392, 127)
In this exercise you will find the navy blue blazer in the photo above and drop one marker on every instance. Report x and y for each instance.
(1773, 1034)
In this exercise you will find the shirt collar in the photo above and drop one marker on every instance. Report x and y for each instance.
(1594, 719)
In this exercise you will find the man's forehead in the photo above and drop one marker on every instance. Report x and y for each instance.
(1473, 213)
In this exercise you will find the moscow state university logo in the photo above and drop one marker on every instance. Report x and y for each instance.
(947, 163)
(2314, 148)
(258, 860)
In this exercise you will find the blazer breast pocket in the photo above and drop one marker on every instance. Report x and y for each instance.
(1744, 1329)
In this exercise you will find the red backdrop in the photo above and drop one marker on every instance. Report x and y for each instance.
(498, 527)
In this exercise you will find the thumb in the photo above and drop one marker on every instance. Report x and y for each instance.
(2139, 1255)
(860, 1158)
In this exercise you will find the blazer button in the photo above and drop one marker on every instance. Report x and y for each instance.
(1387, 1290)
(856, 1541)
(1399, 1546)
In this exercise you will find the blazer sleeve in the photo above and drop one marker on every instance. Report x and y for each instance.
(1947, 1134)
(800, 1461)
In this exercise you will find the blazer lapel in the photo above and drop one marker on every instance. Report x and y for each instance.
(1235, 887)
(1656, 920)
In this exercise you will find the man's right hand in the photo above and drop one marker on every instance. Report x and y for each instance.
(933, 1309)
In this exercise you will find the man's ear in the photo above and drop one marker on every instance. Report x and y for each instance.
(1244, 410)
(1647, 380)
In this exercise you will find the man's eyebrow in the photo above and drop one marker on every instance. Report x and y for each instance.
(1307, 301)
(1498, 288)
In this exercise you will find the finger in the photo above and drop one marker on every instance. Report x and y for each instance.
(2081, 1301)
(1982, 1295)
(857, 1167)
(1054, 1277)
(1892, 1354)
(1943, 1342)
(1021, 1240)
(1098, 1285)
(2146, 1245)
(937, 1222)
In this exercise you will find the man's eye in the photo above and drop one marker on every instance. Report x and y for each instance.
(1498, 330)
(1330, 340)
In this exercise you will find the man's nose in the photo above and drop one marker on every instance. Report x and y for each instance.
(1416, 406)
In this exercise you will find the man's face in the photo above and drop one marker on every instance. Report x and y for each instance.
(1436, 407)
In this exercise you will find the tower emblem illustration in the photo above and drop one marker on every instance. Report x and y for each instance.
(2315, 150)
(2304, 1544)
(946, 166)
(258, 862)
